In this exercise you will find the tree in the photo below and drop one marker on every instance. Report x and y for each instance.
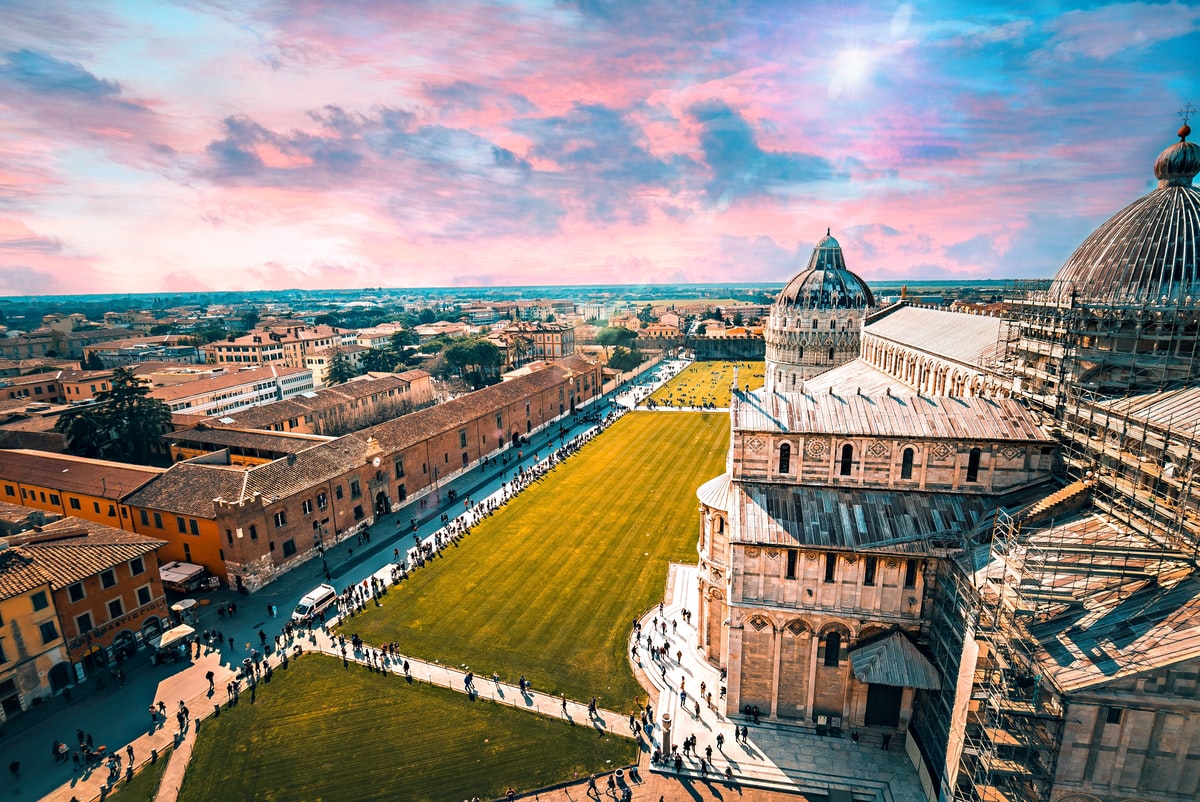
(250, 319)
(625, 359)
(427, 316)
(474, 352)
(327, 319)
(93, 362)
(124, 423)
(340, 370)
(614, 335)
(737, 318)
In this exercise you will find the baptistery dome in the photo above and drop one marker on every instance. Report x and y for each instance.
(826, 282)
(816, 321)
(1147, 252)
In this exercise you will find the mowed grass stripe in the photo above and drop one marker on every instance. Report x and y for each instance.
(549, 586)
(323, 732)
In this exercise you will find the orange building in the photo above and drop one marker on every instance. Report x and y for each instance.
(68, 485)
(106, 589)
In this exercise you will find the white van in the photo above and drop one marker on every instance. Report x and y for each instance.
(314, 601)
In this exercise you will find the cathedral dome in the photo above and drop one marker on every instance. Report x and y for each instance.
(1147, 252)
(826, 283)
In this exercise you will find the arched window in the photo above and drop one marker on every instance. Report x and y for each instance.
(779, 377)
(833, 325)
(833, 649)
(720, 525)
(973, 466)
(830, 354)
(847, 461)
(785, 457)
(801, 353)
(793, 385)
(906, 464)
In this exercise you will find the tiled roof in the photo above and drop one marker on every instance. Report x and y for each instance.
(174, 392)
(851, 520)
(189, 488)
(415, 427)
(304, 470)
(70, 474)
(19, 573)
(281, 442)
(845, 412)
(968, 339)
(73, 549)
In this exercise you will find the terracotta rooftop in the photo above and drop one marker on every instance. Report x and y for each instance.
(281, 442)
(72, 549)
(189, 488)
(174, 392)
(72, 474)
(19, 573)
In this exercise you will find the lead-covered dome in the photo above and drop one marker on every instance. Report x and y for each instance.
(1147, 252)
(826, 283)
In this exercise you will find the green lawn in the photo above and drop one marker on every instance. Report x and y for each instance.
(702, 382)
(549, 586)
(323, 732)
(144, 785)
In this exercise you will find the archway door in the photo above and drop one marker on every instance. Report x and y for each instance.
(883, 706)
(383, 505)
(60, 677)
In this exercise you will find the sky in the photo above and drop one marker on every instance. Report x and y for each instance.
(264, 144)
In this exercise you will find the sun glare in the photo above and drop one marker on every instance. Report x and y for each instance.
(851, 70)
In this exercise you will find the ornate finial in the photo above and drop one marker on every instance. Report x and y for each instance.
(1186, 113)
(830, 235)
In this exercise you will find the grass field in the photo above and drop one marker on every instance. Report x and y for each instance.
(144, 785)
(706, 382)
(323, 732)
(549, 586)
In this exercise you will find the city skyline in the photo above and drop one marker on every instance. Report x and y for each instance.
(160, 148)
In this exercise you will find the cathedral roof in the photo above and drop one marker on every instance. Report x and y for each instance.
(957, 336)
(852, 519)
(845, 412)
(826, 283)
(1148, 251)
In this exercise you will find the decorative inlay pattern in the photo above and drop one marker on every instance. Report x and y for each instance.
(877, 449)
(1010, 452)
(942, 451)
(756, 443)
(817, 448)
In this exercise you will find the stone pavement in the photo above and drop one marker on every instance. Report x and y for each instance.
(775, 756)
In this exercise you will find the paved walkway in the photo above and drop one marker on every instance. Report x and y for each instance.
(783, 758)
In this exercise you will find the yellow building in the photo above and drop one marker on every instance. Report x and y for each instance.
(33, 660)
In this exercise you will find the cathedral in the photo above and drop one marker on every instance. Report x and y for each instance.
(977, 535)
